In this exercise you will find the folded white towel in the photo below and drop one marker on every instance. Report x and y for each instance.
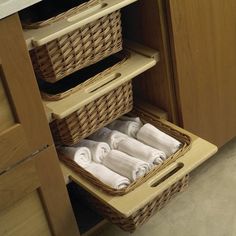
(130, 118)
(108, 176)
(127, 127)
(126, 165)
(112, 137)
(98, 149)
(158, 139)
(141, 151)
(81, 155)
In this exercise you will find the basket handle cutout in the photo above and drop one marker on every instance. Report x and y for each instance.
(83, 14)
(101, 84)
(166, 173)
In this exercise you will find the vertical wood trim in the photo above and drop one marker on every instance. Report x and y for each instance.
(21, 85)
(6, 115)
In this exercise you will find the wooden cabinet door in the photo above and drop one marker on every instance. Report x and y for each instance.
(34, 199)
(23, 125)
(204, 55)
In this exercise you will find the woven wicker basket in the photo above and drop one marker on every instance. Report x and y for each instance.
(111, 63)
(140, 216)
(93, 116)
(79, 48)
(183, 138)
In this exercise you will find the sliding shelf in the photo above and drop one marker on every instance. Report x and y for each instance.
(139, 60)
(129, 203)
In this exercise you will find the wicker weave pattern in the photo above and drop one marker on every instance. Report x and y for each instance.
(183, 138)
(95, 115)
(78, 49)
(124, 55)
(143, 214)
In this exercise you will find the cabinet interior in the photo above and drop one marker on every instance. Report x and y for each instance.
(144, 22)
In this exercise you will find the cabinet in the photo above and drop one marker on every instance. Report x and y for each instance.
(27, 150)
(34, 199)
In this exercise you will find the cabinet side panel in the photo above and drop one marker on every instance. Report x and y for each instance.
(204, 50)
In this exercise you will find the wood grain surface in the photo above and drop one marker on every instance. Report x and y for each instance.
(204, 52)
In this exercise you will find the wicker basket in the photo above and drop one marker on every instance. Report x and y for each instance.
(140, 216)
(93, 116)
(79, 48)
(77, 80)
(183, 138)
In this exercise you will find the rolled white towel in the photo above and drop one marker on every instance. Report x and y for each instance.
(125, 165)
(141, 151)
(107, 176)
(81, 155)
(130, 118)
(112, 137)
(130, 128)
(98, 149)
(158, 139)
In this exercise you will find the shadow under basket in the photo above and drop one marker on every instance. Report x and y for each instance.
(143, 214)
(80, 48)
(183, 138)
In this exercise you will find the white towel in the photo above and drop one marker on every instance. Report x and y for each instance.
(98, 149)
(158, 139)
(125, 165)
(112, 137)
(129, 118)
(108, 176)
(81, 155)
(130, 128)
(141, 151)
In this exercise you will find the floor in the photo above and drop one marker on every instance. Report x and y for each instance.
(207, 207)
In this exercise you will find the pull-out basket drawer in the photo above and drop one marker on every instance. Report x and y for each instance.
(74, 39)
(136, 207)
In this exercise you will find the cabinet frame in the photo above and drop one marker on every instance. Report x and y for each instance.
(30, 131)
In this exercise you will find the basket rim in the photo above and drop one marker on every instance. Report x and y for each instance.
(124, 55)
(183, 138)
(68, 13)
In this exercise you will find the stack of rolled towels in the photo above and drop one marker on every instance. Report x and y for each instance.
(122, 152)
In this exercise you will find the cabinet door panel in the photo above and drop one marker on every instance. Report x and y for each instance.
(39, 175)
(24, 127)
(204, 49)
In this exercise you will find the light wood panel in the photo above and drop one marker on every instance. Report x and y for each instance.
(200, 151)
(6, 116)
(145, 22)
(204, 52)
(30, 130)
(25, 218)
